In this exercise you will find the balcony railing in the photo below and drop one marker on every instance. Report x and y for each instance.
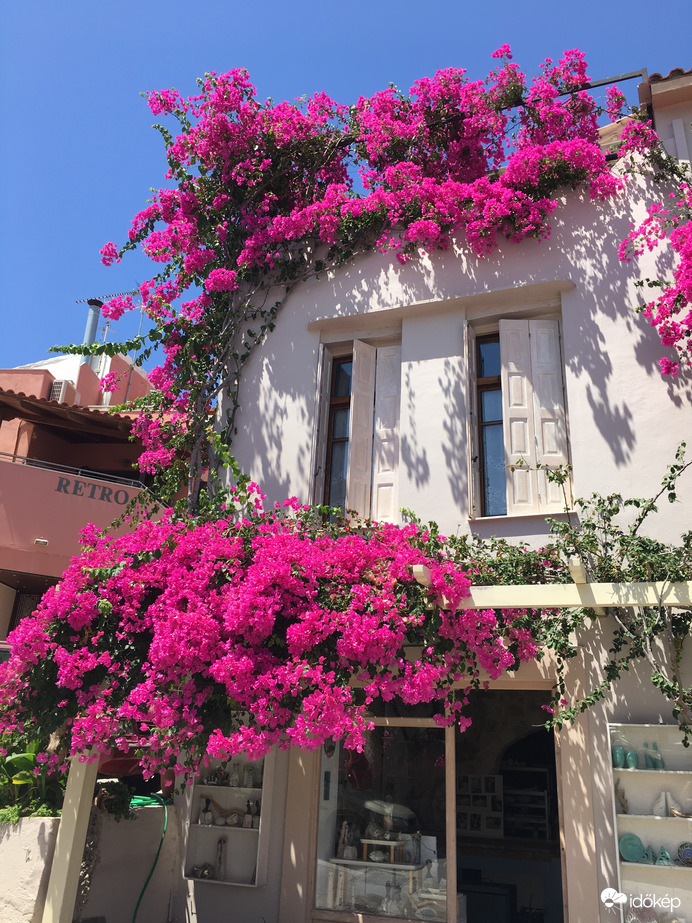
(68, 469)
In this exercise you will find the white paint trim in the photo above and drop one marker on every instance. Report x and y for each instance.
(570, 595)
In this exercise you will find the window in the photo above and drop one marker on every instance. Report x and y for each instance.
(382, 828)
(358, 463)
(518, 417)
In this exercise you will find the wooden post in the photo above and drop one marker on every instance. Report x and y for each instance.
(63, 883)
(451, 818)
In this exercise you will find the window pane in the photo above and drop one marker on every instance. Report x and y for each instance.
(337, 477)
(340, 423)
(494, 474)
(342, 379)
(491, 406)
(381, 835)
(488, 358)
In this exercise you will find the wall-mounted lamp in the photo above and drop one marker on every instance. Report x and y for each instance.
(40, 541)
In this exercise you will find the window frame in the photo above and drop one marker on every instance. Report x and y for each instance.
(543, 494)
(368, 432)
(483, 385)
(335, 403)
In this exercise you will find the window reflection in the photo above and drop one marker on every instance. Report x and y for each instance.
(381, 839)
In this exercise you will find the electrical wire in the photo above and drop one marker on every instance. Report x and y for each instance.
(143, 801)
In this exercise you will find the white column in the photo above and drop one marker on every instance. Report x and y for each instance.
(69, 845)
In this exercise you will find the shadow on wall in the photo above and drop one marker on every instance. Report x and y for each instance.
(608, 294)
(582, 248)
(454, 414)
(282, 418)
(414, 456)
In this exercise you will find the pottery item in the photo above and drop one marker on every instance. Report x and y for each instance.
(618, 757)
(660, 806)
(632, 759)
(673, 807)
(648, 858)
(663, 857)
(631, 847)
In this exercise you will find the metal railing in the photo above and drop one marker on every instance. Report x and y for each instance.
(69, 469)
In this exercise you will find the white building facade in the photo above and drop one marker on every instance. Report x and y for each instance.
(439, 386)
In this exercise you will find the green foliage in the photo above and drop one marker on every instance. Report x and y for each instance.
(27, 787)
(607, 537)
(114, 797)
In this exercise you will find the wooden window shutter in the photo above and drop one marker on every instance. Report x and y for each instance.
(518, 417)
(360, 441)
(549, 409)
(385, 452)
(320, 423)
(475, 453)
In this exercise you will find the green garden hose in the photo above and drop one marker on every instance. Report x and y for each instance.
(143, 801)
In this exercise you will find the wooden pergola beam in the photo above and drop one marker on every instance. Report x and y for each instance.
(570, 595)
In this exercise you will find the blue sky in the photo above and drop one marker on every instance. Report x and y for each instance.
(78, 155)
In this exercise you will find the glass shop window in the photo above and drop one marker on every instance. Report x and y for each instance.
(381, 834)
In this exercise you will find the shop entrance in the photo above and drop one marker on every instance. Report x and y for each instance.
(427, 823)
(508, 855)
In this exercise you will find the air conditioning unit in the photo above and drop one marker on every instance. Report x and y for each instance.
(63, 391)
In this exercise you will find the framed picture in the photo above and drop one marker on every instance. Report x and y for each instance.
(480, 805)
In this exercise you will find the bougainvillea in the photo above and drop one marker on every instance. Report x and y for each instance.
(266, 194)
(193, 638)
(224, 628)
(670, 312)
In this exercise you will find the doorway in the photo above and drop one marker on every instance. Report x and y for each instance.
(508, 842)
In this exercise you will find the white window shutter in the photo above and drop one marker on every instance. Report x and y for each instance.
(321, 417)
(517, 417)
(549, 410)
(475, 453)
(360, 440)
(385, 453)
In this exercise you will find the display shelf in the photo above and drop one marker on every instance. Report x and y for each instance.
(526, 802)
(352, 882)
(641, 788)
(235, 852)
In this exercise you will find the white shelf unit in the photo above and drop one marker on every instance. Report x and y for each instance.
(642, 788)
(246, 849)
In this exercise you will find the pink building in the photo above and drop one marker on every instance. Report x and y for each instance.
(64, 462)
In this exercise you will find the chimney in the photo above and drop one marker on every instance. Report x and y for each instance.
(95, 306)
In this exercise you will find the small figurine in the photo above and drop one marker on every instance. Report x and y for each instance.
(343, 841)
(247, 820)
(621, 798)
(234, 780)
(206, 818)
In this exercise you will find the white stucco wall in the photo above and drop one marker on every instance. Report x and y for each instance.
(26, 855)
(625, 420)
